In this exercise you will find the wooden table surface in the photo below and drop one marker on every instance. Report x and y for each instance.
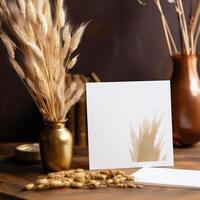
(13, 176)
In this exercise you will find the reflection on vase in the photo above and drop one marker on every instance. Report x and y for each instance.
(185, 88)
(56, 147)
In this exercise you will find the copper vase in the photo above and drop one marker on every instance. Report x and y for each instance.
(56, 147)
(185, 89)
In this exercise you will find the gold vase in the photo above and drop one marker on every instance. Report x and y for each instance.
(185, 88)
(56, 147)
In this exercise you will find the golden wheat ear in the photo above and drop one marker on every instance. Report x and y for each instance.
(77, 36)
(41, 52)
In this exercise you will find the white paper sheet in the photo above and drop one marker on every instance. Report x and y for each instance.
(129, 124)
(168, 177)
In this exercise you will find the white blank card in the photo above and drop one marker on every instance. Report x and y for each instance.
(129, 124)
(168, 177)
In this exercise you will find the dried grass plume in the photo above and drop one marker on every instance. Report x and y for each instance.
(145, 145)
(40, 44)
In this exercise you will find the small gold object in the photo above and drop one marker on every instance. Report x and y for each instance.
(28, 153)
(56, 147)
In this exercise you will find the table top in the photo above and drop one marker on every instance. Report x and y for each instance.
(13, 177)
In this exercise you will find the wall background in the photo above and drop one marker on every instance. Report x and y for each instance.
(124, 42)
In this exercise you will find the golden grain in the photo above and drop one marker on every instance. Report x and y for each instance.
(80, 178)
(22, 7)
(8, 44)
(76, 37)
(30, 9)
(43, 24)
(72, 62)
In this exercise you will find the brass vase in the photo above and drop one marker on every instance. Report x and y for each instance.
(185, 89)
(56, 147)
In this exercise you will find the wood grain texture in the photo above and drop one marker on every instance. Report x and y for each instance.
(13, 176)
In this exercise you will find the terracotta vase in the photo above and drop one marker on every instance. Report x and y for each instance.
(56, 147)
(185, 89)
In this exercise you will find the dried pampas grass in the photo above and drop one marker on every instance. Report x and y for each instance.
(146, 145)
(40, 45)
(189, 27)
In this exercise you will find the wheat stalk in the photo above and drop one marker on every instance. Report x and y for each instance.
(39, 48)
(72, 62)
(76, 37)
(22, 7)
(168, 35)
(144, 146)
(189, 33)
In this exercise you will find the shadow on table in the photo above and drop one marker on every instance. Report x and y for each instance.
(12, 166)
(4, 196)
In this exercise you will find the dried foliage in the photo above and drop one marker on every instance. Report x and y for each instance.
(145, 145)
(189, 27)
(40, 44)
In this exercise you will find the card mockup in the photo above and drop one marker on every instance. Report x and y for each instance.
(129, 124)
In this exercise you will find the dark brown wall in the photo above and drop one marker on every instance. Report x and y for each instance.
(123, 42)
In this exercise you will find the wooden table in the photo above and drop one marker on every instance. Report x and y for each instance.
(13, 176)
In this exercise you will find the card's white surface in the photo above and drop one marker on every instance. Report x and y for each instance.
(168, 177)
(114, 109)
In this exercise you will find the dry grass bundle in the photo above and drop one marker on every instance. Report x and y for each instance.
(40, 44)
(189, 32)
(145, 145)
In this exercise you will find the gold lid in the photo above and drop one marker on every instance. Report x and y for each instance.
(28, 153)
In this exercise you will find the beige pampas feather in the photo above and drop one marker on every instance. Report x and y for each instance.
(17, 68)
(4, 7)
(40, 6)
(30, 9)
(62, 19)
(72, 62)
(35, 50)
(40, 78)
(66, 33)
(47, 12)
(8, 44)
(76, 96)
(32, 86)
(58, 12)
(43, 24)
(60, 92)
(20, 34)
(76, 38)
(22, 7)
(43, 53)
(70, 90)
(30, 33)
(66, 36)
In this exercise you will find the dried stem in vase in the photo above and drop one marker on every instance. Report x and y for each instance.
(188, 32)
(40, 44)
